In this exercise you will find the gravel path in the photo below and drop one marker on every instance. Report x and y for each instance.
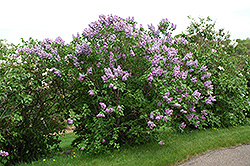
(233, 156)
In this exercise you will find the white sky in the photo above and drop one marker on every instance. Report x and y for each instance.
(40, 19)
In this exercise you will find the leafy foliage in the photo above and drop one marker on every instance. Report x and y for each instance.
(29, 113)
(215, 50)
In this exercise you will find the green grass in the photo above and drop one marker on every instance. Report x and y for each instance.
(178, 147)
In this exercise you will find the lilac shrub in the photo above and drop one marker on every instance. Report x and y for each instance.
(122, 83)
(132, 81)
(214, 48)
(31, 101)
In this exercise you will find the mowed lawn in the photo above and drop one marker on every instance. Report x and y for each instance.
(178, 147)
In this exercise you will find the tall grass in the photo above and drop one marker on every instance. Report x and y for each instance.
(178, 147)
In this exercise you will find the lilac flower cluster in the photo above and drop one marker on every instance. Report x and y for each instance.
(161, 143)
(100, 115)
(187, 56)
(206, 76)
(91, 92)
(57, 72)
(166, 97)
(109, 110)
(180, 40)
(102, 105)
(117, 72)
(70, 121)
(81, 76)
(3, 153)
(83, 49)
(151, 124)
(74, 58)
(45, 50)
(60, 41)
(38, 50)
(208, 84)
(156, 33)
(183, 125)
(210, 99)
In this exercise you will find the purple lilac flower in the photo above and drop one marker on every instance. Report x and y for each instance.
(192, 108)
(196, 124)
(82, 148)
(111, 85)
(183, 111)
(203, 68)
(108, 110)
(104, 78)
(76, 64)
(196, 94)
(112, 37)
(161, 143)
(188, 56)
(208, 84)
(194, 79)
(196, 117)
(169, 112)
(169, 99)
(103, 140)
(125, 77)
(59, 40)
(164, 48)
(184, 74)
(191, 70)
(89, 70)
(150, 84)
(176, 71)
(183, 125)
(70, 121)
(190, 63)
(100, 115)
(208, 75)
(132, 53)
(204, 112)
(210, 99)
(119, 108)
(165, 118)
(176, 105)
(91, 92)
(152, 115)
(179, 99)
(81, 76)
(157, 72)
(203, 117)
(58, 58)
(150, 77)
(159, 104)
(3, 153)
(151, 124)
(57, 72)
(190, 116)
(166, 95)
(102, 105)
(158, 116)
(195, 63)
(108, 73)
(98, 64)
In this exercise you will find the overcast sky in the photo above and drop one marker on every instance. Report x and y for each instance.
(40, 19)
